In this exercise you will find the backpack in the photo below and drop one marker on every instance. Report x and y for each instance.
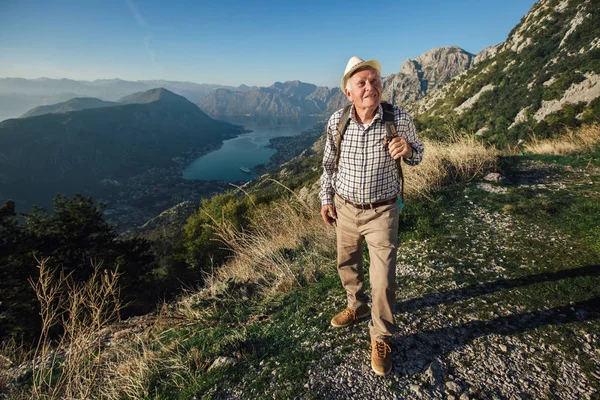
(390, 127)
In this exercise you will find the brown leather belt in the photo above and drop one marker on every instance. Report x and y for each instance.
(368, 206)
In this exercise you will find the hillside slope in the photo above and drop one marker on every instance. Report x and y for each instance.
(544, 76)
(75, 104)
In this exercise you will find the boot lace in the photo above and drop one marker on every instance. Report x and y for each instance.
(350, 313)
(381, 348)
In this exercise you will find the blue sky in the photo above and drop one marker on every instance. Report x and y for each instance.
(235, 42)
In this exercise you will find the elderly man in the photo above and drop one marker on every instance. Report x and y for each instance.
(359, 188)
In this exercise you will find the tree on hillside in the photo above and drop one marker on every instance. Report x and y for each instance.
(202, 237)
(76, 234)
(71, 238)
(16, 302)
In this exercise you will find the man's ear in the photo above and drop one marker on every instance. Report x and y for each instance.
(347, 93)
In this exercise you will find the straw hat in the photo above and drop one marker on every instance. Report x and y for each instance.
(354, 64)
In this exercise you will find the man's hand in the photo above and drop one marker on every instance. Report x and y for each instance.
(328, 214)
(399, 147)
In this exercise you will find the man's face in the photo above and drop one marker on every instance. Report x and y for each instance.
(365, 89)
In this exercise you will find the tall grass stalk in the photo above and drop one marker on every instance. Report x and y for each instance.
(71, 366)
(277, 247)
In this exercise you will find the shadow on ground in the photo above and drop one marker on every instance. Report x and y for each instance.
(478, 290)
(427, 346)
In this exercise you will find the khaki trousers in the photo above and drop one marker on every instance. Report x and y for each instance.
(379, 228)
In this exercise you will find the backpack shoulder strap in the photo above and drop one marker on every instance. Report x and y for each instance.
(341, 129)
(388, 114)
(390, 127)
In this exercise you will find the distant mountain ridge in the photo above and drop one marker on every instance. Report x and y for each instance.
(18, 95)
(75, 104)
(293, 99)
(154, 95)
(416, 79)
(287, 99)
(83, 103)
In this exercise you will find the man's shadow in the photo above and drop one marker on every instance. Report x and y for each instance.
(416, 351)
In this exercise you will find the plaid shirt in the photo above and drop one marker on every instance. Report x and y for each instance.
(367, 172)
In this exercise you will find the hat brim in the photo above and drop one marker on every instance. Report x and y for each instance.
(370, 64)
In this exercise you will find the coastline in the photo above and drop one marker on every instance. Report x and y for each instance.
(147, 195)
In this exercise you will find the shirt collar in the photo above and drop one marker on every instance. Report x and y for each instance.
(377, 116)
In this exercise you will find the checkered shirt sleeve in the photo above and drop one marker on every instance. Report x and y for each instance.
(367, 172)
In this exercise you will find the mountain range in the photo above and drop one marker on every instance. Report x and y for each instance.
(18, 95)
(415, 80)
(79, 150)
(294, 99)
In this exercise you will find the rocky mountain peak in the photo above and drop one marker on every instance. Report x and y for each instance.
(425, 74)
(409, 67)
(485, 54)
(444, 55)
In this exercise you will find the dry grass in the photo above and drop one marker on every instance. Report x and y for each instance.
(285, 241)
(92, 359)
(72, 367)
(461, 159)
(573, 141)
(135, 365)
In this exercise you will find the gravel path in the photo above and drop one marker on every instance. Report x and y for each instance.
(438, 354)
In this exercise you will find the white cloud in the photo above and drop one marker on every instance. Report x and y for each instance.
(136, 14)
(151, 52)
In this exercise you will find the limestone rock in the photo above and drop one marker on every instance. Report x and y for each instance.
(493, 177)
(223, 361)
(435, 373)
(471, 101)
(585, 91)
(453, 386)
(484, 54)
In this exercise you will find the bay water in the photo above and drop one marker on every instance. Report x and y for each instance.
(246, 151)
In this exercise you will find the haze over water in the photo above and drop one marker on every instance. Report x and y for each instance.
(247, 150)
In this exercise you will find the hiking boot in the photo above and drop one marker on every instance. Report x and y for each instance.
(381, 358)
(349, 316)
